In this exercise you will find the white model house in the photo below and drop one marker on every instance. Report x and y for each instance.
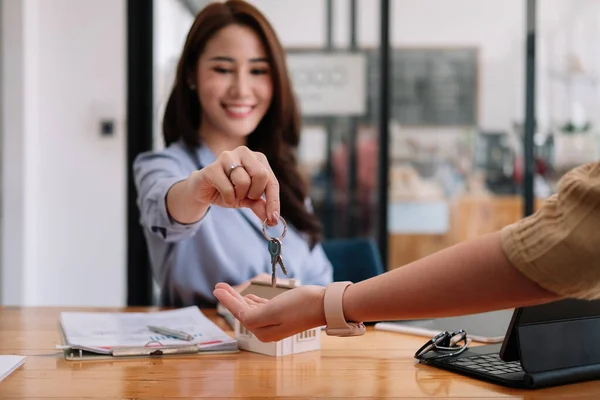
(305, 341)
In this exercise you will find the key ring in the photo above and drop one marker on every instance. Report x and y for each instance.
(284, 229)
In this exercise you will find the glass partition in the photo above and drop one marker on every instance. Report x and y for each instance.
(568, 64)
(456, 157)
(458, 105)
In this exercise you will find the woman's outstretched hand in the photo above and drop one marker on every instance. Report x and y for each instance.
(285, 315)
(238, 178)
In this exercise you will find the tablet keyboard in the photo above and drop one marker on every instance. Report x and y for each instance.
(486, 363)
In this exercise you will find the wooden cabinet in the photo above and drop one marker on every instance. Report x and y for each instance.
(469, 218)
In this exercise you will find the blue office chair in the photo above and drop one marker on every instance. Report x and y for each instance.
(354, 259)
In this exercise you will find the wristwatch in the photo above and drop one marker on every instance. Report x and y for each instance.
(334, 313)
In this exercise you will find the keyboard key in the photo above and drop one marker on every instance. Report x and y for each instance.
(487, 364)
(496, 372)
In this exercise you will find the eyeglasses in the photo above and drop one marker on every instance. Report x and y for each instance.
(444, 344)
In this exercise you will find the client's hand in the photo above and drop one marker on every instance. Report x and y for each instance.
(238, 178)
(285, 315)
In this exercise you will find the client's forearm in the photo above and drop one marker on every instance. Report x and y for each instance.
(471, 277)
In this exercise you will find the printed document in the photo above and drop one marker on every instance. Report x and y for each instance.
(102, 332)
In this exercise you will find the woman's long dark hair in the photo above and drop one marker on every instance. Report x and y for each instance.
(278, 133)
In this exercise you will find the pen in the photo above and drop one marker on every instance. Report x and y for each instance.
(171, 332)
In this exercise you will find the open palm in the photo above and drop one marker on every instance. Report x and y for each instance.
(285, 315)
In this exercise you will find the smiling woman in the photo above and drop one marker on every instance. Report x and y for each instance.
(231, 127)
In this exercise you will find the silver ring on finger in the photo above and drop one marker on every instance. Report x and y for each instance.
(233, 167)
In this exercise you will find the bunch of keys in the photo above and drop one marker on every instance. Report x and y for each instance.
(275, 251)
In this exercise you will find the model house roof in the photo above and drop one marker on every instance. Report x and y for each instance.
(266, 291)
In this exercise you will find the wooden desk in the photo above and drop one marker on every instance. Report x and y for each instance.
(377, 365)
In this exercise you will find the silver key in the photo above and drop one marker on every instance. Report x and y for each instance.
(276, 258)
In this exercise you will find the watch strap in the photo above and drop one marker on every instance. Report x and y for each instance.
(334, 313)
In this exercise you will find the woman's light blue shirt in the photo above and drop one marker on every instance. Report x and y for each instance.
(227, 245)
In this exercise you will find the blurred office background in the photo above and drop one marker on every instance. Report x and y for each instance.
(83, 85)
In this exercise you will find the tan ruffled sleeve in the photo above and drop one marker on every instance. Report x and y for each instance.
(559, 246)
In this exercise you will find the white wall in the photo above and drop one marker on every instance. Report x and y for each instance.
(1, 125)
(64, 185)
(18, 143)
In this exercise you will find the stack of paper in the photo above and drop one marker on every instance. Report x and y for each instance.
(127, 334)
(8, 364)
